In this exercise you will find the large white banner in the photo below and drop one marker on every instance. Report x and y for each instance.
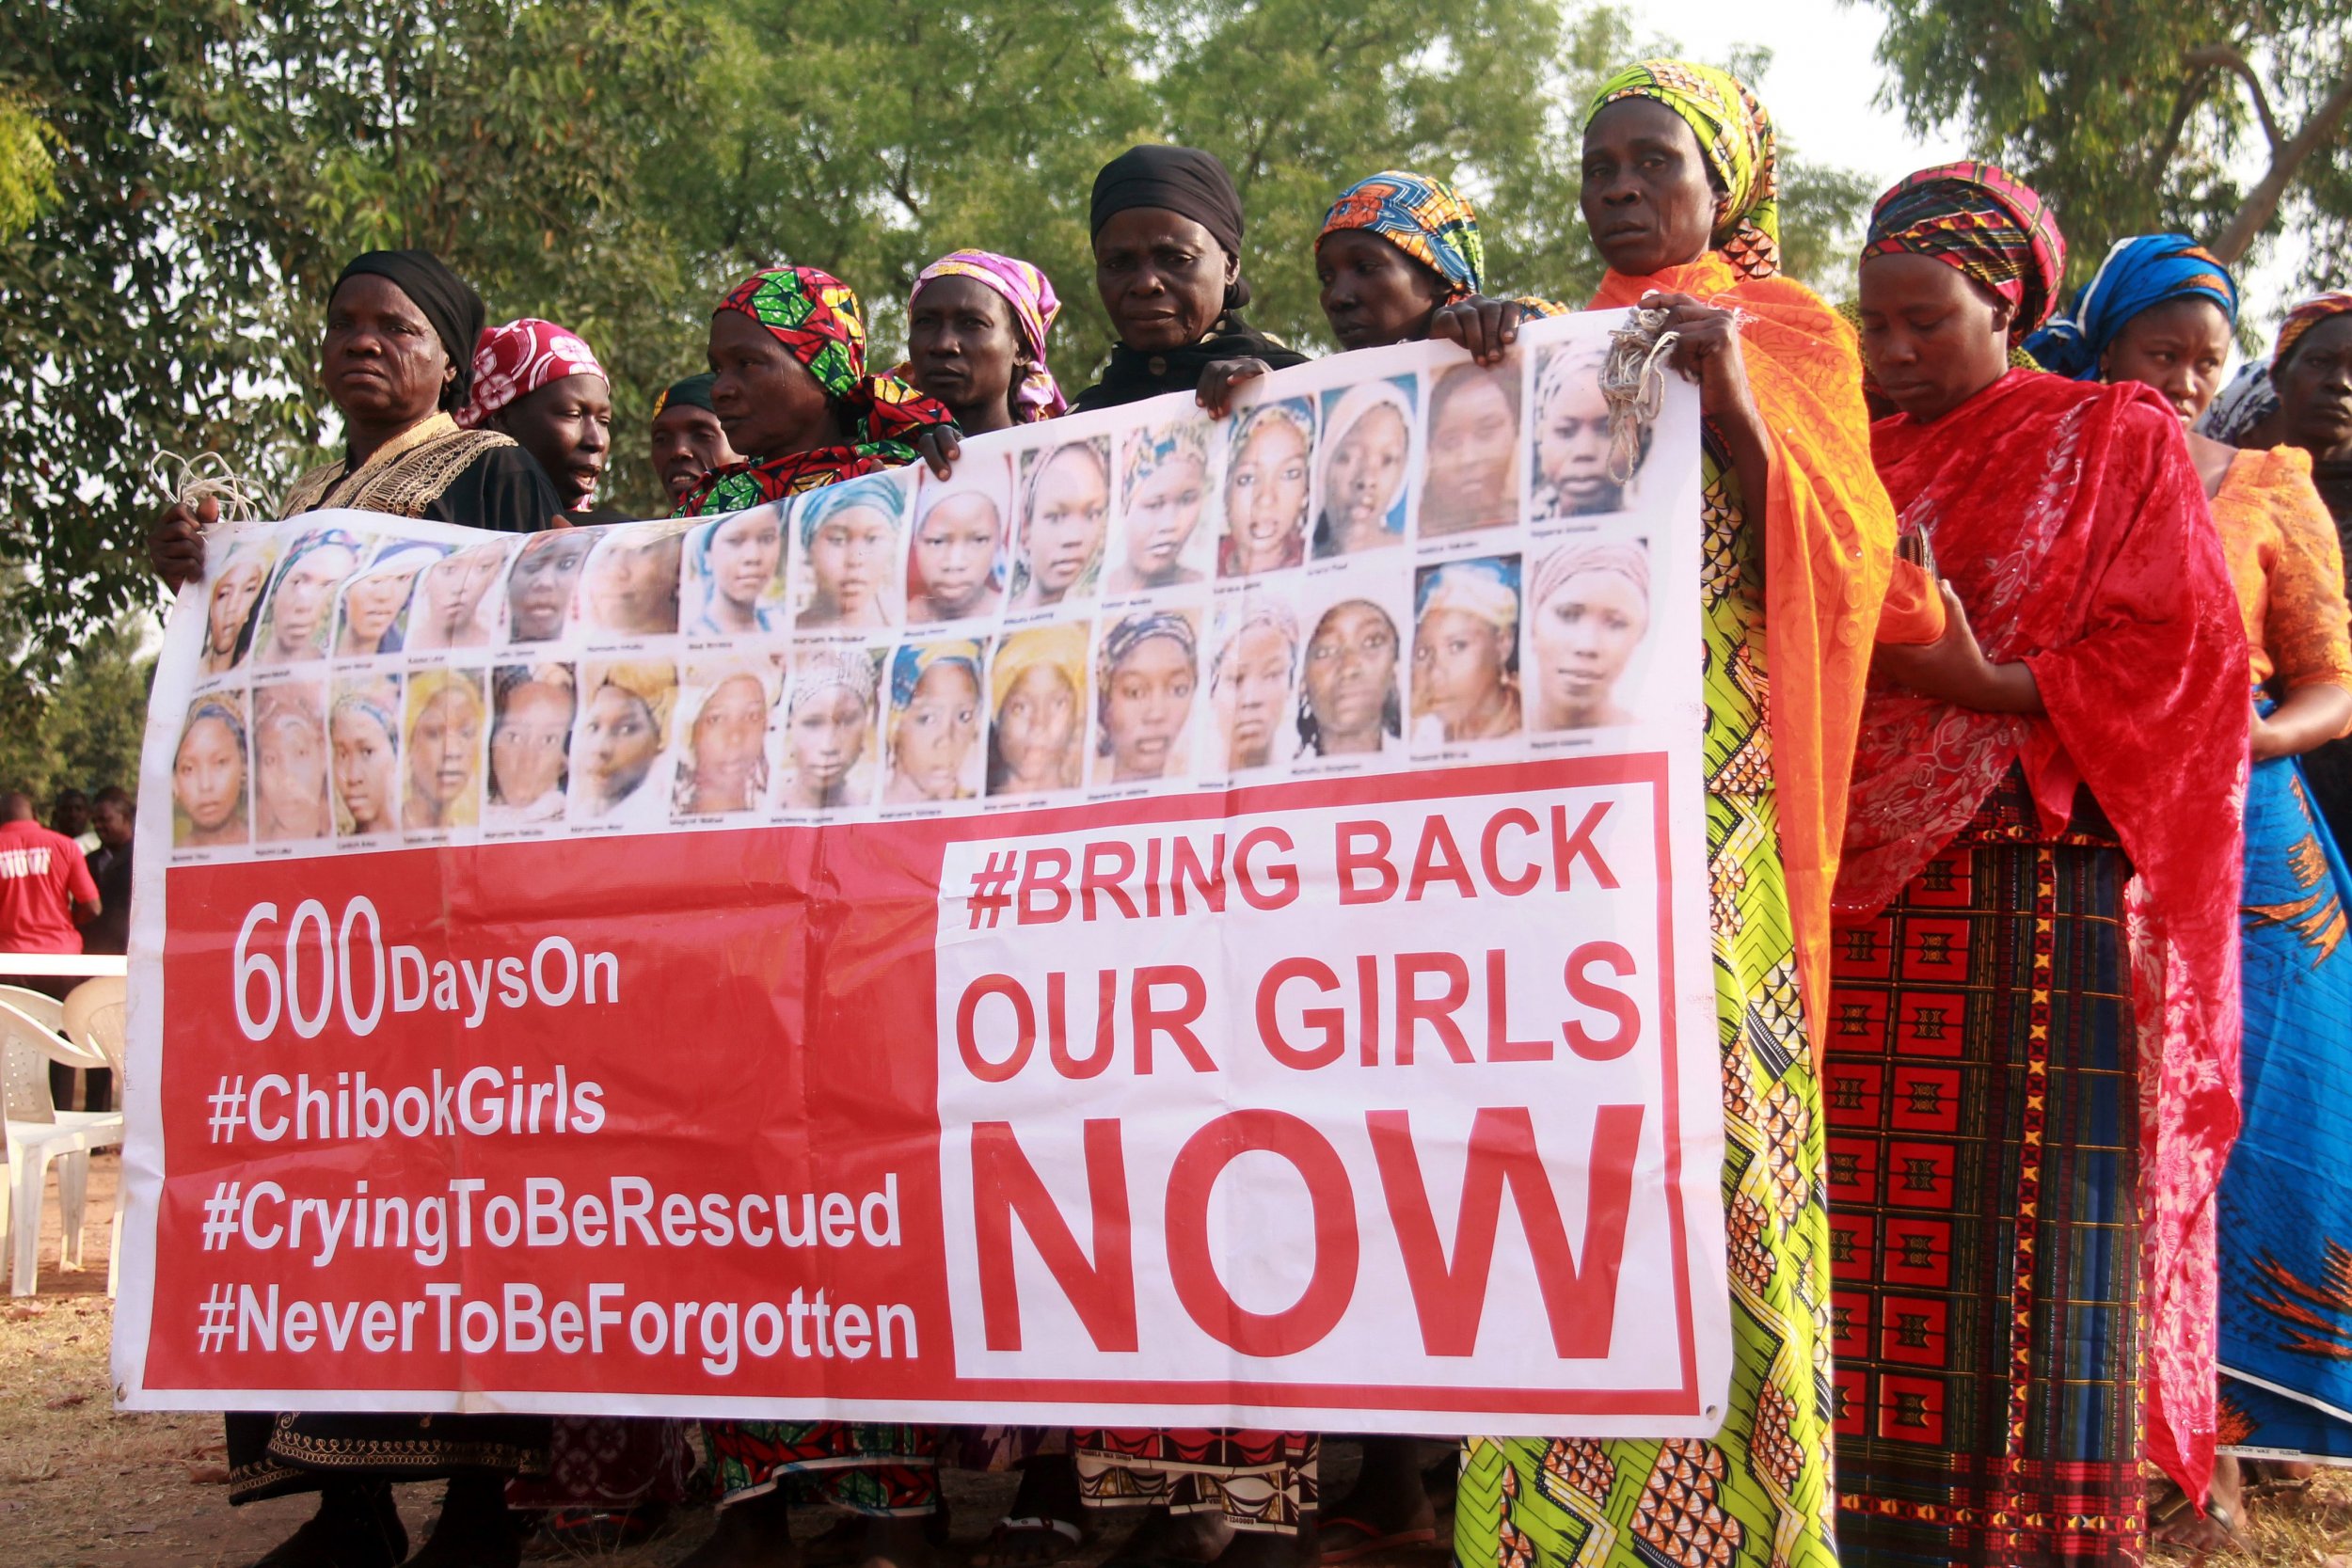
(1185, 922)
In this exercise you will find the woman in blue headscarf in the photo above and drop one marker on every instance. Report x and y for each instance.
(2161, 310)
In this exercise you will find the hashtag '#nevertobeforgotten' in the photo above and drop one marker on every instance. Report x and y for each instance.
(215, 1319)
(991, 888)
(220, 1215)
(227, 1108)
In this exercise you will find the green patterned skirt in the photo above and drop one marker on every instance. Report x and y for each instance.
(1758, 1494)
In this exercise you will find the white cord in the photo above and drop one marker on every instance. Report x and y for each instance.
(192, 481)
(1634, 388)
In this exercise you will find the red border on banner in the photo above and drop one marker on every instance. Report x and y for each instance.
(1269, 1398)
(1641, 767)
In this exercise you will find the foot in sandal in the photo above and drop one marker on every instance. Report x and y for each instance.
(1045, 1523)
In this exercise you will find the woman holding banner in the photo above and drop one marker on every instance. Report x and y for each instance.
(1679, 195)
(1166, 225)
(396, 359)
(788, 347)
(2062, 719)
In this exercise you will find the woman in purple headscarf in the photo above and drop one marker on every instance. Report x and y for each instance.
(975, 340)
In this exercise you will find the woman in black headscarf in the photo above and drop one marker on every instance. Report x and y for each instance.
(397, 361)
(1168, 229)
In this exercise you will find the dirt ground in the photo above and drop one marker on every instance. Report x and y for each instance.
(82, 1487)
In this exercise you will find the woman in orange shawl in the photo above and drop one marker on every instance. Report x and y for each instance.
(1679, 196)
(2025, 1133)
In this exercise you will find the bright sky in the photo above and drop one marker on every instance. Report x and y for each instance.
(1822, 79)
(1822, 89)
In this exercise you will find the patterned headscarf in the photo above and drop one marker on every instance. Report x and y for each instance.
(1484, 589)
(1062, 647)
(376, 699)
(1735, 134)
(1031, 293)
(1422, 216)
(817, 318)
(1151, 450)
(2138, 275)
(914, 660)
(881, 496)
(1124, 638)
(214, 707)
(2244, 403)
(2302, 319)
(1257, 610)
(652, 684)
(515, 360)
(1985, 222)
(1630, 561)
(821, 670)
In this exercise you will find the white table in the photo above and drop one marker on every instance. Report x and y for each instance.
(84, 964)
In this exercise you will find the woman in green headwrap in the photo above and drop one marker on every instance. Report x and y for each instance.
(1679, 196)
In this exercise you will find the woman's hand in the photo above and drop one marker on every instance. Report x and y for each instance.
(1953, 668)
(1486, 328)
(940, 446)
(1707, 351)
(175, 545)
(2311, 717)
(1223, 378)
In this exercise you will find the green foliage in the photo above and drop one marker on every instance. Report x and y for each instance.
(614, 166)
(2140, 116)
(84, 730)
(28, 177)
(219, 161)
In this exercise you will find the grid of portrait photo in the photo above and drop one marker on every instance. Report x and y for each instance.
(1389, 560)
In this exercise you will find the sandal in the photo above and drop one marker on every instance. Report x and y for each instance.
(1002, 1549)
(2177, 1510)
(1366, 1539)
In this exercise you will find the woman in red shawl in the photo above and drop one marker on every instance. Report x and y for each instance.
(2063, 713)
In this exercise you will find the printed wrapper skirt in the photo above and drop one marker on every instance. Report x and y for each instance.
(608, 1463)
(275, 1456)
(2286, 1213)
(1984, 1117)
(883, 1469)
(1258, 1481)
(1758, 1494)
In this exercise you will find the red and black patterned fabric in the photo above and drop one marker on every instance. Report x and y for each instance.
(1982, 1096)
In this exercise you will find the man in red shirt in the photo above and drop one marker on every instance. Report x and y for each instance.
(45, 884)
(45, 888)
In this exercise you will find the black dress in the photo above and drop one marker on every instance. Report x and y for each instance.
(1133, 374)
(474, 479)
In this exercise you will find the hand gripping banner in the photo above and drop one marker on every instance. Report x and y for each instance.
(1191, 922)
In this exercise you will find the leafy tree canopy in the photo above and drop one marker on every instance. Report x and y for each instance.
(2225, 121)
(614, 166)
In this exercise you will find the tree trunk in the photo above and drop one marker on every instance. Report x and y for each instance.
(2235, 236)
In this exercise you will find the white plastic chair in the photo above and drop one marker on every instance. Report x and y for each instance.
(39, 1133)
(97, 1019)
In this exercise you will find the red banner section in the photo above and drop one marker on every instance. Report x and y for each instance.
(1351, 1096)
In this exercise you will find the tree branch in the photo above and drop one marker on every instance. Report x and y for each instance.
(2192, 93)
(2226, 56)
(2237, 235)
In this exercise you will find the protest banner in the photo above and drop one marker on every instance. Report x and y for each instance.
(1184, 921)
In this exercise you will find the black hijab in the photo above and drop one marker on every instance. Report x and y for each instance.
(693, 392)
(1189, 182)
(447, 300)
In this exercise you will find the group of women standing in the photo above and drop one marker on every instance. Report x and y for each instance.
(1983, 679)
